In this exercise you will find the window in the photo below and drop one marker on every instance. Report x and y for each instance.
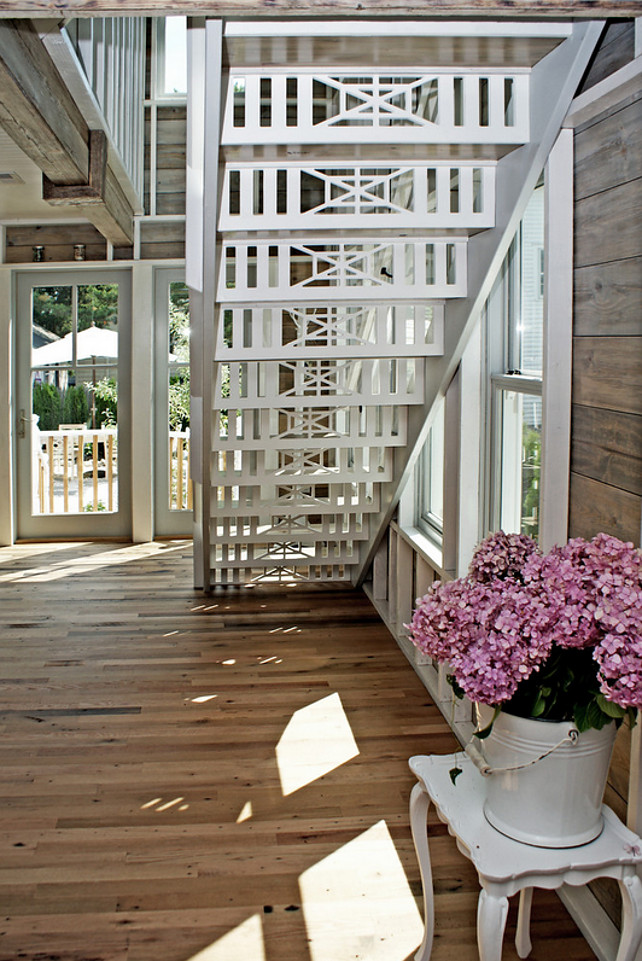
(431, 480)
(514, 318)
(171, 61)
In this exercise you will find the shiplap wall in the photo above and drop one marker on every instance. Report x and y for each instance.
(606, 425)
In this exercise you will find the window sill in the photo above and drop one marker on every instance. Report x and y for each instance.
(429, 551)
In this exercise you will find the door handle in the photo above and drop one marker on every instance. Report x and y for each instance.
(23, 420)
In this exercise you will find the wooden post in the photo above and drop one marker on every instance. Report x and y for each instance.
(110, 470)
(65, 471)
(51, 473)
(94, 458)
(79, 454)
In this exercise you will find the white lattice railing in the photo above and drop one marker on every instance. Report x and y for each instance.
(275, 427)
(342, 196)
(318, 383)
(256, 528)
(309, 497)
(437, 106)
(327, 465)
(316, 331)
(311, 269)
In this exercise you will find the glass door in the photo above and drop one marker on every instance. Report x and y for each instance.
(172, 484)
(73, 373)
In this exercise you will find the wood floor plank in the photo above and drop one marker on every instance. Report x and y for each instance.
(181, 772)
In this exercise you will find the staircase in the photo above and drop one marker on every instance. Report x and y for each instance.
(349, 196)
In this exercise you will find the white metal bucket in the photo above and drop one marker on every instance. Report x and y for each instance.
(557, 801)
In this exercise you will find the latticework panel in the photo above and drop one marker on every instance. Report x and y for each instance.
(329, 270)
(319, 331)
(320, 464)
(306, 427)
(278, 573)
(290, 527)
(288, 197)
(428, 107)
(317, 383)
(231, 500)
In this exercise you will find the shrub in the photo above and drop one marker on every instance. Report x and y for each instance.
(47, 405)
(75, 408)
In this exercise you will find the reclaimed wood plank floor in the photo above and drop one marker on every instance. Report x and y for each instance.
(221, 777)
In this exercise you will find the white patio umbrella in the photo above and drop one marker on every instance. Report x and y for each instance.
(97, 345)
(93, 344)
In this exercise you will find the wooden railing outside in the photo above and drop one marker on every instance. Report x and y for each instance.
(180, 485)
(77, 470)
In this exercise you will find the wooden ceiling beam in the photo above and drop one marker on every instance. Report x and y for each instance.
(302, 9)
(41, 117)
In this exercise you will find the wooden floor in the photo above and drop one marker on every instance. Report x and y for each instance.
(216, 776)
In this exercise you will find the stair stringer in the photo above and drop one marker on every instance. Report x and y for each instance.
(554, 81)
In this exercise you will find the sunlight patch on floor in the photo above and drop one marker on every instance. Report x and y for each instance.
(243, 942)
(357, 903)
(317, 739)
(246, 813)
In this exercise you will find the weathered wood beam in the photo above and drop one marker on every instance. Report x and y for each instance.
(41, 117)
(302, 9)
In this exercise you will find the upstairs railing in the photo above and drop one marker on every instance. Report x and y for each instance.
(111, 54)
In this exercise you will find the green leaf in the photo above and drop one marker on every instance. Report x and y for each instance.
(609, 708)
(539, 706)
(485, 731)
(454, 774)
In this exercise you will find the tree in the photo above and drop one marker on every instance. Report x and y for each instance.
(52, 307)
(47, 405)
(75, 408)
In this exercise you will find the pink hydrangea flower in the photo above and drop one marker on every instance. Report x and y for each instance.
(498, 625)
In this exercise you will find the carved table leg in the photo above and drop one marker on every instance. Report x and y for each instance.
(631, 890)
(523, 933)
(492, 912)
(419, 803)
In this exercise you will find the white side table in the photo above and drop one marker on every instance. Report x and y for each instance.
(505, 866)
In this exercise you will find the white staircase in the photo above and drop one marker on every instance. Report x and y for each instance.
(348, 196)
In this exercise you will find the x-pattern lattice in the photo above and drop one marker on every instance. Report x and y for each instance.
(379, 101)
(364, 190)
(332, 326)
(347, 264)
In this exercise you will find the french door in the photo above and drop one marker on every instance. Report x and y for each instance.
(73, 403)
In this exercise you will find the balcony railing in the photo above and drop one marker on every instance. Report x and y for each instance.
(76, 470)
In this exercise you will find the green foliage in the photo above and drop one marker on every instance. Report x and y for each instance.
(47, 405)
(97, 304)
(179, 400)
(89, 508)
(106, 399)
(179, 321)
(75, 409)
(566, 686)
(532, 458)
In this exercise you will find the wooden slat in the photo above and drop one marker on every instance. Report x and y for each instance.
(608, 225)
(607, 445)
(608, 153)
(140, 718)
(607, 373)
(315, 8)
(596, 507)
(608, 299)
(617, 48)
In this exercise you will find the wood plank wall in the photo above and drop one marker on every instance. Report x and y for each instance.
(606, 426)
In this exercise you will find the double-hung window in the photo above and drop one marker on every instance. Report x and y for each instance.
(430, 486)
(514, 321)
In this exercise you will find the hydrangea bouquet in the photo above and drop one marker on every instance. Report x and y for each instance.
(556, 636)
